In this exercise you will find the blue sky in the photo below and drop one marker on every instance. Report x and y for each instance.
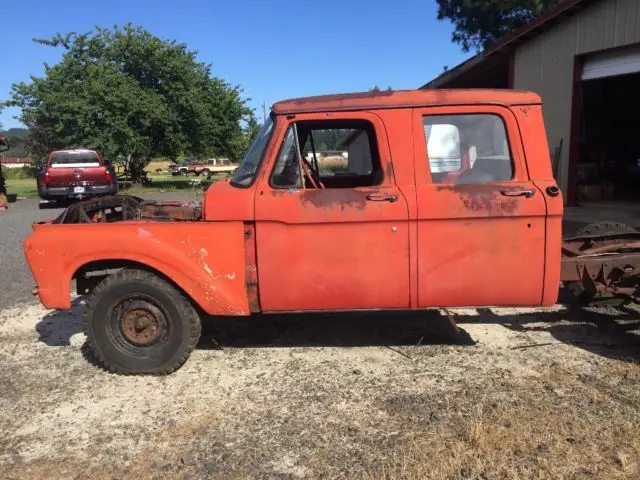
(274, 49)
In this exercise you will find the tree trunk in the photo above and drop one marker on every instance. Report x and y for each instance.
(136, 170)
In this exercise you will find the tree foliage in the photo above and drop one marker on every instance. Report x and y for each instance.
(18, 142)
(126, 92)
(479, 23)
(376, 88)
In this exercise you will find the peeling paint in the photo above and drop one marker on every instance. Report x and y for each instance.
(334, 198)
(483, 198)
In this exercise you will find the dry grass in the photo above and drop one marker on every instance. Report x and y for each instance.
(328, 165)
(158, 164)
(554, 426)
(324, 398)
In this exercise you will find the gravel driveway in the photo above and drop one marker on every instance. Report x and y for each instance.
(513, 394)
(15, 225)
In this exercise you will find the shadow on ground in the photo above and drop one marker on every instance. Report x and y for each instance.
(58, 326)
(609, 332)
(353, 329)
(299, 330)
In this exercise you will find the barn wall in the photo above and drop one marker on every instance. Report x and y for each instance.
(545, 64)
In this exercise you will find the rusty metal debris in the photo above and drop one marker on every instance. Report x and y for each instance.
(604, 265)
(170, 211)
(119, 208)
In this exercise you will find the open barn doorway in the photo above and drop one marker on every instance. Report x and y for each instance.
(608, 167)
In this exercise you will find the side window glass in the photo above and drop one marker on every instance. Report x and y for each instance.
(286, 173)
(339, 151)
(333, 154)
(465, 149)
(443, 146)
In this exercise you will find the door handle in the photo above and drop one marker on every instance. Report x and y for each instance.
(518, 193)
(382, 197)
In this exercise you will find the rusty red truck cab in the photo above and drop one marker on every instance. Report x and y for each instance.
(442, 198)
(400, 200)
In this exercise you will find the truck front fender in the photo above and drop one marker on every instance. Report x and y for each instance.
(205, 259)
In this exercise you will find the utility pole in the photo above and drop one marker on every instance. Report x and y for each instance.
(264, 111)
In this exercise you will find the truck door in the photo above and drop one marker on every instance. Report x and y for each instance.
(337, 238)
(481, 220)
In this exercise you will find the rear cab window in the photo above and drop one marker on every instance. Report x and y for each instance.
(467, 148)
(74, 159)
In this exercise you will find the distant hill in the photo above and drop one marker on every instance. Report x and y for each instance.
(16, 137)
(15, 132)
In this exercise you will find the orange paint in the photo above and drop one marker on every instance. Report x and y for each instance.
(406, 243)
(205, 260)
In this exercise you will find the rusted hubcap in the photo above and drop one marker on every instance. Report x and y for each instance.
(142, 323)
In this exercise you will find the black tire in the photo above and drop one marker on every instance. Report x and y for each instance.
(605, 228)
(136, 322)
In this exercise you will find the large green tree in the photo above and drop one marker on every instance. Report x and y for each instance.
(129, 93)
(479, 23)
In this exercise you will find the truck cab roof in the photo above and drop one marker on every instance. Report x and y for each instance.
(405, 99)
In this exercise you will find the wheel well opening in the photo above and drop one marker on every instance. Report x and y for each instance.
(88, 276)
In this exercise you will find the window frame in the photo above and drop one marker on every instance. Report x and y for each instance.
(265, 153)
(422, 167)
(289, 127)
(374, 146)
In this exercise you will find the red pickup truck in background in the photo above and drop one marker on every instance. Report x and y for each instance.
(430, 198)
(75, 174)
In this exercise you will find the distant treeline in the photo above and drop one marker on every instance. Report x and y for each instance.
(17, 140)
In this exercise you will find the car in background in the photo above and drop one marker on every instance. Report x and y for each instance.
(205, 167)
(75, 174)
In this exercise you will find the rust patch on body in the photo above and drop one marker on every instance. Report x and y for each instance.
(339, 97)
(251, 267)
(483, 198)
(176, 212)
(334, 198)
(390, 171)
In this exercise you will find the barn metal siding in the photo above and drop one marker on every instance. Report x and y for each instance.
(545, 64)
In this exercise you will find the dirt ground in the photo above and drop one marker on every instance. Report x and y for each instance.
(512, 394)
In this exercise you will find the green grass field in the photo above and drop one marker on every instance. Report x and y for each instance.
(24, 187)
(159, 183)
(169, 183)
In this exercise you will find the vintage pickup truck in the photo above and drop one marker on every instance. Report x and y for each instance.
(206, 167)
(438, 199)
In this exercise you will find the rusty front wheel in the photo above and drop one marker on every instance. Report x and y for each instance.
(136, 322)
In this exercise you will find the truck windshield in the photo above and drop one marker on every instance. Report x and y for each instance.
(246, 172)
